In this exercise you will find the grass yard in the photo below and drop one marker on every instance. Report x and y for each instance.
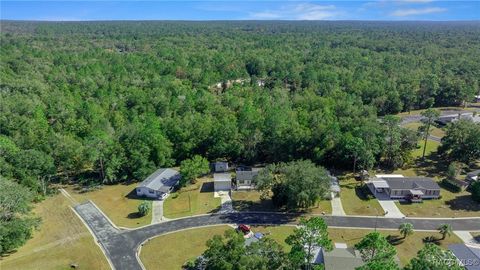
(354, 199)
(61, 240)
(157, 255)
(194, 240)
(406, 249)
(250, 201)
(118, 202)
(194, 199)
(435, 131)
(450, 205)
(432, 147)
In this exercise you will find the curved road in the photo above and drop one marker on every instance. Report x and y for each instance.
(120, 246)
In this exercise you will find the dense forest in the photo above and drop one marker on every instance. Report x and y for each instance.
(106, 102)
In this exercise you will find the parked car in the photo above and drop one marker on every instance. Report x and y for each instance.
(244, 228)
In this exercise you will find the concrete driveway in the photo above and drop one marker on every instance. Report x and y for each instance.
(391, 209)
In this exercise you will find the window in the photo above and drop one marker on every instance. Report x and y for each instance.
(151, 191)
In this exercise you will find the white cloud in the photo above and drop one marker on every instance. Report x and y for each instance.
(417, 11)
(302, 11)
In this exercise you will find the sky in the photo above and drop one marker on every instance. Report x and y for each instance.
(399, 10)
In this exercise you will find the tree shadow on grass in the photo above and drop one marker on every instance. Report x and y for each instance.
(463, 202)
(134, 215)
(432, 239)
(395, 239)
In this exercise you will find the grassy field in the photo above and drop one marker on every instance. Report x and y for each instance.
(435, 131)
(406, 249)
(194, 241)
(432, 147)
(61, 240)
(118, 202)
(192, 200)
(250, 201)
(354, 200)
(189, 244)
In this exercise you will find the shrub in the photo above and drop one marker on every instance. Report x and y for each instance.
(453, 187)
(143, 208)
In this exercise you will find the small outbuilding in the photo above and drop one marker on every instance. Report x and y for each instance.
(473, 176)
(159, 184)
(220, 166)
(222, 181)
(245, 177)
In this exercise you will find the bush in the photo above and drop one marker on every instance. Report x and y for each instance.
(475, 189)
(453, 187)
(143, 208)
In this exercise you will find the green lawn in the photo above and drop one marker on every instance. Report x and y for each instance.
(432, 147)
(435, 131)
(194, 199)
(250, 201)
(61, 240)
(354, 199)
(118, 202)
(191, 243)
(406, 249)
(187, 245)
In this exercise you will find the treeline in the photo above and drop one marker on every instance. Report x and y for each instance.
(112, 101)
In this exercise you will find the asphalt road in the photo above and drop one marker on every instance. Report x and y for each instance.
(120, 246)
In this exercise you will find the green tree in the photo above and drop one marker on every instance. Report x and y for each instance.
(432, 257)
(475, 189)
(461, 141)
(15, 222)
(430, 115)
(230, 252)
(192, 168)
(144, 208)
(297, 184)
(444, 230)
(309, 236)
(406, 229)
(375, 248)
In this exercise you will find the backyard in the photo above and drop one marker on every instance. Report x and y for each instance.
(191, 200)
(119, 202)
(61, 240)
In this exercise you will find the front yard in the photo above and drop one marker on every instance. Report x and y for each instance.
(61, 240)
(355, 199)
(119, 202)
(250, 201)
(192, 200)
(191, 243)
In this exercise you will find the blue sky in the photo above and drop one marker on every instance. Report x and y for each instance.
(241, 10)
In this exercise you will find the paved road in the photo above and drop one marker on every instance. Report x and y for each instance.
(120, 246)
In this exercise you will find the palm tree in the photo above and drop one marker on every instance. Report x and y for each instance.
(406, 229)
(445, 229)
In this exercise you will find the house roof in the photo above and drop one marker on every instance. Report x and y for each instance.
(222, 177)
(342, 258)
(380, 184)
(247, 175)
(467, 253)
(161, 180)
(473, 174)
(412, 183)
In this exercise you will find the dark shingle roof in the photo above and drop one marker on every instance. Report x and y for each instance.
(467, 255)
(412, 183)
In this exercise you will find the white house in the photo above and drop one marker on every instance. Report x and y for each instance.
(159, 184)
(222, 181)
